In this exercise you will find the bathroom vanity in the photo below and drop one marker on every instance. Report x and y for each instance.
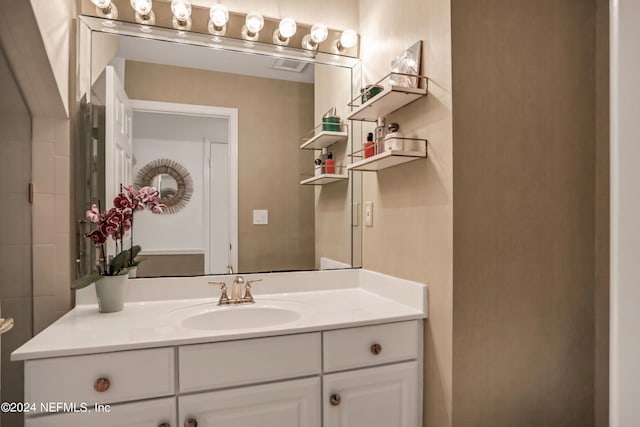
(319, 348)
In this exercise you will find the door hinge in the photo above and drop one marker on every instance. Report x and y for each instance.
(31, 193)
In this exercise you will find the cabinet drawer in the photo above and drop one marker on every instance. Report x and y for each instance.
(150, 413)
(131, 375)
(224, 364)
(370, 345)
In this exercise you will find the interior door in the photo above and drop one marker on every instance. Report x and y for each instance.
(218, 209)
(118, 146)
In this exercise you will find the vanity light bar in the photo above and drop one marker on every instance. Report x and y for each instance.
(217, 21)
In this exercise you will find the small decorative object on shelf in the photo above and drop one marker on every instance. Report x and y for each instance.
(405, 65)
(111, 274)
(325, 176)
(400, 150)
(389, 100)
(395, 90)
(331, 121)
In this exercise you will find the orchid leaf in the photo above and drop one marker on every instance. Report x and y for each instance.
(119, 262)
(85, 281)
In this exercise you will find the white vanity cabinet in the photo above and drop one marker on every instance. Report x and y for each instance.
(368, 376)
(152, 413)
(380, 396)
(373, 397)
(282, 404)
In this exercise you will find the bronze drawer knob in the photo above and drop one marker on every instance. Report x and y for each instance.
(164, 425)
(190, 422)
(101, 385)
(335, 399)
(376, 349)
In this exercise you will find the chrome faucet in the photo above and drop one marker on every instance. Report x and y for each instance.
(236, 291)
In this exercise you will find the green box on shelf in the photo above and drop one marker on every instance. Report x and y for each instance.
(331, 123)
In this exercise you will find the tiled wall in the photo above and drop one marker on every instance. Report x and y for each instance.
(52, 232)
(15, 248)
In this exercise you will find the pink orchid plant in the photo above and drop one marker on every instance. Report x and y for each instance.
(115, 223)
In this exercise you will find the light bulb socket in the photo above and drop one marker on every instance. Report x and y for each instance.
(278, 39)
(217, 30)
(181, 25)
(109, 12)
(148, 19)
(308, 43)
(248, 35)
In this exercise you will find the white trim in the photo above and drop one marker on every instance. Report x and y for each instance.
(624, 371)
(206, 199)
(231, 114)
(188, 251)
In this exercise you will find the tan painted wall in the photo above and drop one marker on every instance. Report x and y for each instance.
(172, 265)
(273, 114)
(524, 79)
(412, 232)
(54, 19)
(602, 217)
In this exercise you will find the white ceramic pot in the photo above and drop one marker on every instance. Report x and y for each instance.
(111, 291)
(133, 272)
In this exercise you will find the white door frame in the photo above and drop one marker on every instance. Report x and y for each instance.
(231, 115)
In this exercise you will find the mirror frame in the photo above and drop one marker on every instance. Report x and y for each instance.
(87, 25)
(147, 174)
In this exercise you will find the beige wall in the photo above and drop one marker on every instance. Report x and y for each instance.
(412, 232)
(171, 265)
(273, 115)
(602, 217)
(54, 18)
(524, 79)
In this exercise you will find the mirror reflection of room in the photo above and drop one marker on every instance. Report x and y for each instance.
(231, 122)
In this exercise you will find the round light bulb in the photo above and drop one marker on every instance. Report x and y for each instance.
(319, 33)
(181, 9)
(102, 4)
(219, 15)
(142, 7)
(254, 22)
(287, 28)
(348, 39)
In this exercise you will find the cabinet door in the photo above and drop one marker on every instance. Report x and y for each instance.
(283, 404)
(153, 413)
(374, 397)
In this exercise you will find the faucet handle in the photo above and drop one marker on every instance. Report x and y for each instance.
(247, 290)
(224, 298)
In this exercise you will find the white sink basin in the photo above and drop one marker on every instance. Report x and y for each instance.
(213, 317)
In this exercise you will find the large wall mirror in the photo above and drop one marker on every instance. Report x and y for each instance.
(229, 122)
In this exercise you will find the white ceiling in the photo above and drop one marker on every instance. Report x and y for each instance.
(185, 55)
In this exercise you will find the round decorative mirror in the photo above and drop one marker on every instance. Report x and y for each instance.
(172, 180)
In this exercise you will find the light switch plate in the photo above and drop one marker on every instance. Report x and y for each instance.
(260, 217)
(368, 214)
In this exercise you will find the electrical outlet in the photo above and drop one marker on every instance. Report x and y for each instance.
(368, 214)
(261, 217)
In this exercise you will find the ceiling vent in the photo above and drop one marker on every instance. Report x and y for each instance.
(289, 65)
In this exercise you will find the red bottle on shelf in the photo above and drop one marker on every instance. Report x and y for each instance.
(369, 146)
(330, 164)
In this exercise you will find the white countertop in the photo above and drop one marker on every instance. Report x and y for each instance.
(328, 300)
